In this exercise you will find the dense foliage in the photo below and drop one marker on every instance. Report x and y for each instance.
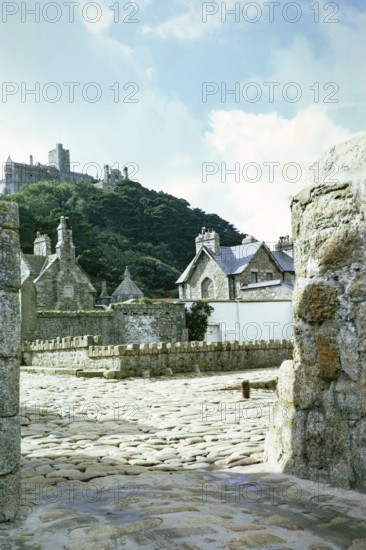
(197, 320)
(151, 232)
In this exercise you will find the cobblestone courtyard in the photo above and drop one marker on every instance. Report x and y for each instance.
(148, 463)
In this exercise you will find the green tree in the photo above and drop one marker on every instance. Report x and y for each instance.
(151, 232)
(197, 320)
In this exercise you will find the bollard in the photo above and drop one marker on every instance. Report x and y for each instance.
(245, 389)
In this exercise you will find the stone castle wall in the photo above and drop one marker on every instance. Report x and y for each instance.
(319, 431)
(9, 361)
(122, 324)
(87, 354)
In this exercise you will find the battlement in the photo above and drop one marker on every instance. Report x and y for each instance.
(67, 343)
(86, 353)
(95, 347)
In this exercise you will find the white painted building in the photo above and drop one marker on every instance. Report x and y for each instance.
(249, 320)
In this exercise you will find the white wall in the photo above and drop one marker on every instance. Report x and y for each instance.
(245, 321)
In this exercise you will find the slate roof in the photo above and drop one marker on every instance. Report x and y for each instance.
(127, 289)
(34, 263)
(38, 265)
(285, 261)
(234, 259)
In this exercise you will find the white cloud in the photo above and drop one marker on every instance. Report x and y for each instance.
(262, 208)
(335, 57)
(97, 17)
(191, 25)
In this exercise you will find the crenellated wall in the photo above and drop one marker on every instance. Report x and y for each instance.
(9, 362)
(87, 354)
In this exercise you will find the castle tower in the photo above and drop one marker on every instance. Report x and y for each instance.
(8, 169)
(65, 248)
(42, 245)
(60, 158)
(106, 173)
(210, 239)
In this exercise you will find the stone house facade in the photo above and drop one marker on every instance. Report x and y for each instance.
(55, 281)
(228, 273)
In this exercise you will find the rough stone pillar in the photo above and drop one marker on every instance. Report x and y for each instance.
(319, 428)
(9, 361)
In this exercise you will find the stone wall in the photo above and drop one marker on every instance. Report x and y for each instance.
(205, 267)
(87, 354)
(9, 361)
(271, 293)
(224, 287)
(121, 324)
(319, 431)
(262, 264)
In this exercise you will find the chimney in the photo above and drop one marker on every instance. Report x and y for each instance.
(42, 245)
(210, 239)
(285, 244)
(65, 248)
(31, 160)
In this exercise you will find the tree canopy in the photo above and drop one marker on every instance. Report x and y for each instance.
(150, 232)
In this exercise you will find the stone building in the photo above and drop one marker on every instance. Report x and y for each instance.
(58, 169)
(127, 290)
(233, 272)
(111, 176)
(55, 281)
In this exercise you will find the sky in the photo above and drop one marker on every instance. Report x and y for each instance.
(224, 104)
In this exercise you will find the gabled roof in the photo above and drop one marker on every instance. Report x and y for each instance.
(233, 260)
(285, 261)
(49, 260)
(34, 263)
(38, 265)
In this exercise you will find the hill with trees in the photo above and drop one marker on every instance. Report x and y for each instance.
(150, 232)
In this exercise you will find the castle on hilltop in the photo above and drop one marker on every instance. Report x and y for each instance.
(58, 169)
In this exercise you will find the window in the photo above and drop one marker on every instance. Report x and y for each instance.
(207, 288)
(253, 277)
(68, 291)
(269, 276)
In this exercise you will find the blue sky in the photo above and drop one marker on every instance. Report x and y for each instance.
(158, 56)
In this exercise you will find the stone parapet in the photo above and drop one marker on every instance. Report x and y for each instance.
(87, 353)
